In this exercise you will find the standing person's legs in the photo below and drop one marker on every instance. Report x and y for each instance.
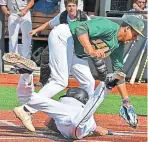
(57, 43)
(80, 5)
(26, 26)
(13, 29)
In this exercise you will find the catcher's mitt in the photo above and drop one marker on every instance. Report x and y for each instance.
(129, 115)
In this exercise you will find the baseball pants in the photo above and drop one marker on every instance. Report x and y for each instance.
(70, 114)
(15, 23)
(62, 61)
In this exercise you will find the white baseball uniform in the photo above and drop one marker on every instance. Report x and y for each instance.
(62, 62)
(62, 5)
(72, 118)
(15, 23)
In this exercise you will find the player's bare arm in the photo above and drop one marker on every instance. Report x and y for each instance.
(29, 5)
(100, 131)
(41, 28)
(5, 10)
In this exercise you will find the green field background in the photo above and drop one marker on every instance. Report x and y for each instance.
(111, 104)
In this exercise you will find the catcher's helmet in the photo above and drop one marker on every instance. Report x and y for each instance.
(78, 93)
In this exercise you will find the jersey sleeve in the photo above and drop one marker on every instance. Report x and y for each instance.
(117, 58)
(3, 2)
(55, 21)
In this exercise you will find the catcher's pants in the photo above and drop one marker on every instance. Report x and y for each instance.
(61, 62)
(15, 23)
(69, 113)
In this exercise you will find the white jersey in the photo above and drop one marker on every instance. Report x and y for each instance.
(14, 5)
(139, 15)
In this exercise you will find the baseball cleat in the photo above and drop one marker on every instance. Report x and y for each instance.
(20, 61)
(25, 117)
(129, 115)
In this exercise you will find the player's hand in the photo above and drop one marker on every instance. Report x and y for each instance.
(99, 53)
(135, 6)
(32, 32)
(7, 13)
(23, 12)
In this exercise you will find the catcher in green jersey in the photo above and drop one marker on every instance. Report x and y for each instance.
(101, 37)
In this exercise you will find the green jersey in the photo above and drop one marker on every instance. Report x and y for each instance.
(99, 28)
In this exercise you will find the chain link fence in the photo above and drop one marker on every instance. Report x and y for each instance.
(121, 5)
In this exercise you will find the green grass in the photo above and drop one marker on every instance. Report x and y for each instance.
(110, 105)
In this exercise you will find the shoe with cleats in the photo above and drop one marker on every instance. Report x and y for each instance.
(20, 61)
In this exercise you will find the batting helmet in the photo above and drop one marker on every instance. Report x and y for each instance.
(77, 93)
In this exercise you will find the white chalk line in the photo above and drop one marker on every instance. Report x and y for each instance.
(41, 134)
(38, 134)
(9, 123)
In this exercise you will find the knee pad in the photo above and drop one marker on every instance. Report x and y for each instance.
(45, 56)
(36, 56)
(45, 73)
(98, 68)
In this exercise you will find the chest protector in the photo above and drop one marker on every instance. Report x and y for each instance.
(81, 16)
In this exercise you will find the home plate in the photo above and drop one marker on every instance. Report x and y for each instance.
(127, 133)
(121, 134)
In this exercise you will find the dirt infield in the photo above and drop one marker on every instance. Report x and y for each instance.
(11, 130)
(135, 89)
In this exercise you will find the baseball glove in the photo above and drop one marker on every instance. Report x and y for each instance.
(129, 115)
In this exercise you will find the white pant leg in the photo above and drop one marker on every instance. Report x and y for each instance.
(26, 26)
(81, 71)
(62, 112)
(57, 43)
(53, 108)
(80, 4)
(13, 29)
(25, 87)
